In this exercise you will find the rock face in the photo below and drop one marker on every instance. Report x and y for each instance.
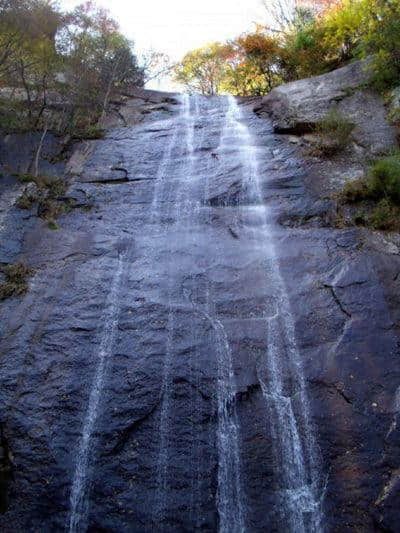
(190, 356)
(297, 106)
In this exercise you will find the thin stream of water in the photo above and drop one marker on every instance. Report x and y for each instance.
(176, 205)
(78, 499)
(229, 494)
(78, 496)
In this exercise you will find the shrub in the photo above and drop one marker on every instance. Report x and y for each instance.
(334, 132)
(383, 179)
(26, 178)
(25, 201)
(355, 191)
(91, 132)
(385, 216)
(52, 225)
(381, 186)
(381, 36)
(15, 283)
(55, 186)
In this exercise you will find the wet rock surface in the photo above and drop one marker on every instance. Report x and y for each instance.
(169, 279)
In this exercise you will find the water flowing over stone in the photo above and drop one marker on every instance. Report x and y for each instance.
(301, 493)
(185, 362)
(85, 450)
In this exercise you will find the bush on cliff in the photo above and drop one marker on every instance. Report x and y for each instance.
(379, 192)
(381, 37)
(385, 216)
(334, 132)
(383, 180)
(15, 283)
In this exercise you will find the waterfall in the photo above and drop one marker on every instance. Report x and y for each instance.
(78, 496)
(229, 497)
(181, 193)
(295, 454)
(183, 184)
(229, 494)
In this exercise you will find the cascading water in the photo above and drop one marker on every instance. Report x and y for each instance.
(188, 166)
(173, 209)
(78, 496)
(179, 383)
(297, 457)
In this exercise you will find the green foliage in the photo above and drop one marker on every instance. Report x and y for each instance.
(55, 186)
(311, 42)
(50, 201)
(382, 181)
(355, 191)
(90, 132)
(27, 178)
(384, 178)
(381, 37)
(52, 225)
(245, 66)
(12, 119)
(204, 69)
(334, 132)
(15, 283)
(25, 201)
(380, 192)
(60, 70)
(385, 216)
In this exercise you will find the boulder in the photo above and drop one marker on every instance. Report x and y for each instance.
(297, 106)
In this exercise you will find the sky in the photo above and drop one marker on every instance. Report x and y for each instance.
(177, 26)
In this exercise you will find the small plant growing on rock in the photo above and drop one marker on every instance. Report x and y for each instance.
(25, 201)
(383, 179)
(385, 216)
(334, 132)
(50, 197)
(380, 192)
(27, 178)
(355, 191)
(15, 283)
(91, 132)
(52, 225)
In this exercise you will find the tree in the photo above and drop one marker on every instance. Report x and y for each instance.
(285, 13)
(79, 58)
(261, 52)
(155, 65)
(381, 37)
(203, 70)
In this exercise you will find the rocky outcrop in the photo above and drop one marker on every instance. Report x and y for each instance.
(296, 107)
(133, 105)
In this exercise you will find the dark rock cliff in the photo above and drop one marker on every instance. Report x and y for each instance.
(151, 324)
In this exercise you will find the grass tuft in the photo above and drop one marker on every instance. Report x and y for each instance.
(16, 280)
(334, 132)
(380, 192)
(383, 180)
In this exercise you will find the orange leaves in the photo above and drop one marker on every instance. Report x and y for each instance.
(259, 44)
